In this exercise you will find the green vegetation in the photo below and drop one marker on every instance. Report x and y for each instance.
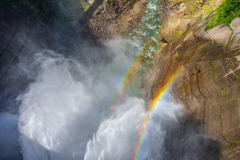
(232, 144)
(237, 75)
(229, 40)
(86, 6)
(148, 55)
(222, 88)
(227, 44)
(209, 6)
(177, 54)
(209, 14)
(231, 62)
(226, 12)
(200, 18)
(175, 35)
(228, 145)
(147, 62)
(232, 66)
(179, 35)
(218, 57)
(193, 8)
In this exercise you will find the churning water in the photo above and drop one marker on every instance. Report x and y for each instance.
(67, 113)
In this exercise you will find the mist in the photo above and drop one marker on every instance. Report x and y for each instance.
(65, 109)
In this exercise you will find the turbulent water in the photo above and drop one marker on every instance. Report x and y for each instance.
(67, 113)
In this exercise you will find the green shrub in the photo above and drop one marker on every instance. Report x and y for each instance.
(200, 18)
(226, 12)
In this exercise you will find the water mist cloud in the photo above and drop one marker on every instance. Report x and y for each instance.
(66, 113)
(117, 135)
(58, 112)
(62, 109)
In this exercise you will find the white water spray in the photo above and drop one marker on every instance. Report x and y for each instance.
(65, 114)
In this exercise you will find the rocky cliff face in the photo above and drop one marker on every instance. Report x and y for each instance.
(209, 85)
(116, 17)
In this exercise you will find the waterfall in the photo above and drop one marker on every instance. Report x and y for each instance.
(67, 113)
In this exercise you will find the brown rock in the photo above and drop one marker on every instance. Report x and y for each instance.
(189, 41)
(230, 117)
(206, 80)
(219, 31)
(234, 43)
(235, 24)
(224, 75)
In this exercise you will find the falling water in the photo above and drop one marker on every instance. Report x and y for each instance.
(66, 113)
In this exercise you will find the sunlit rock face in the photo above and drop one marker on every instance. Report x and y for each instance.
(209, 84)
(116, 17)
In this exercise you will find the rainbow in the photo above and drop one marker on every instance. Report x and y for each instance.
(127, 76)
(151, 14)
(154, 105)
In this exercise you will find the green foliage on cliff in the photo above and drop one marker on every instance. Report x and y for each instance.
(209, 14)
(200, 18)
(226, 12)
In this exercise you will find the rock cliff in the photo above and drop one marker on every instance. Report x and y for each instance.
(115, 17)
(209, 83)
